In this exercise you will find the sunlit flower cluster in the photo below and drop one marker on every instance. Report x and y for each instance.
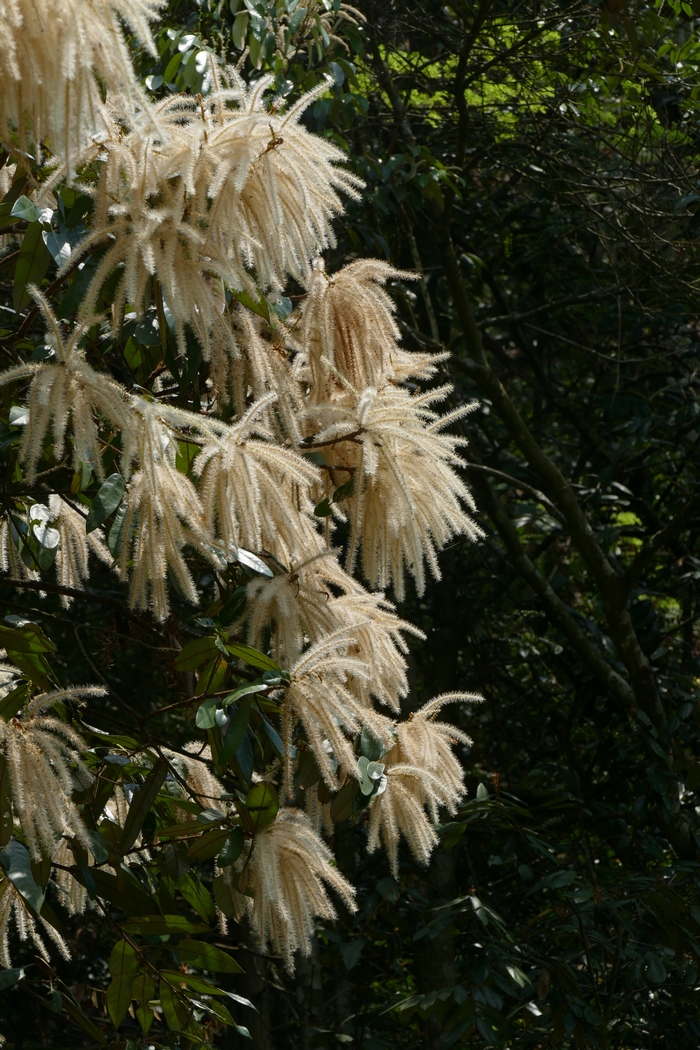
(316, 455)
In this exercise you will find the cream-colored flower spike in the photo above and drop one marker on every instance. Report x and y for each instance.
(377, 634)
(73, 894)
(50, 51)
(195, 194)
(410, 500)
(11, 902)
(289, 870)
(67, 388)
(348, 322)
(74, 545)
(320, 696)
(254, 491)
(273, 185)
(422, 774)
(144, 211)
(163, 515)
(40, 751)
(299, 603)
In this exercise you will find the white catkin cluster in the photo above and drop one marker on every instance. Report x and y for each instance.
(204, 204)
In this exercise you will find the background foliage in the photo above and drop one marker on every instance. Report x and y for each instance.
(537, 164)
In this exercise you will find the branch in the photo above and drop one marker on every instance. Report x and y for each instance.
(535, 493)
(558, 613)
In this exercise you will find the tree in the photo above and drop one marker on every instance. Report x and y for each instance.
(193, 404)
(538, 164)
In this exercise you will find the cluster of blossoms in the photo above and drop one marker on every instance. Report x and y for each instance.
(204, 207)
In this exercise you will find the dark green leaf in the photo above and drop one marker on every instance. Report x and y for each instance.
(206, 714)
(199, 898)
(141, 803)
(106, 501)
(128, 895)
(28, 639)
(123, 964)
(207, 845)
(18, 868)
(9, 978)
(158, 925)
(252, 656)
(262, 804)
(143, 990)
(323, 509)
(341, 807)
(244, 690)
(196, 653)
(236, 731)
(175, 1011)
(32, 264)
(206, 956)
(24, 209)
(232, 849)
(11, 704)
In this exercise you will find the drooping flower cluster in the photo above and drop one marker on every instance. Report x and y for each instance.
(310, 430)
(40, 751)
(287, 870)
(51, 54)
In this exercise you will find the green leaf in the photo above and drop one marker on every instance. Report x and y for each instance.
(273, 736)
(244, 690)
(233, 848)
(175, 860)
(15, 191)
(174, 1010)
(172, 67)
(23, 208)
(323, 509)
(344, 491)
(193, 981)
(262, 804)
(226, 895)
(141, 803)
(12, 703)
(236, 731)
(252, 562)
(240, 31)
(71, 1007)
(116, 531)
(124, 893)
(206, 714)
(123, 964)
(259, 307)
(143, 990)
(199, 898)
(196, 653)
(32, 264)
(208, 845)
(106, 501)
(18, 868)
(159, 925)
(9, 978)
(253, 657)
(370, 746)
(308, 773)
(206, 956)
(341, 807)
(28, 639)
